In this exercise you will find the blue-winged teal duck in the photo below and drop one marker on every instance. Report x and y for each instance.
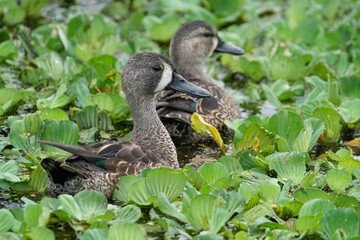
(191, 44)
(99, 165)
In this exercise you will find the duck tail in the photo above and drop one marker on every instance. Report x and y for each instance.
(78, 151)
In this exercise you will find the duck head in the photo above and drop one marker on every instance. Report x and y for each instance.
(198, 40)
(147, 73)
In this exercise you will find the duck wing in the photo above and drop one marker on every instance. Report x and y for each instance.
(181, 106)
(112, 156)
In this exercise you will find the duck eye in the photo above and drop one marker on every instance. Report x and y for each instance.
(208, 34)
(156, 68)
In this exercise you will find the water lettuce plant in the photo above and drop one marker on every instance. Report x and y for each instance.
(291, 169)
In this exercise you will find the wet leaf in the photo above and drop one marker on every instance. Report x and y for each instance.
(84, 206)
(25, 133)
(256, 137)
(64, 132)
(199, 125)
(168, 181)
(286, 124)
(161, 28)
(338, 179)
(94, 234)
(307, 194)
(350, 110)
(36, 215)
(127, 214)
(331, 119)
(6, 220)
(124, 184)
(54, 114)
(340, 221)
(212, 172)
(269, 190)
(289, 166)
(120, 231)
(102, 100)
(8, 50)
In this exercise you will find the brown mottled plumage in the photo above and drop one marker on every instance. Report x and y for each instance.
(191, 44)
(98, 166)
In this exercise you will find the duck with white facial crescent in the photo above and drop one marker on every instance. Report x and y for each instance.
(98, 166)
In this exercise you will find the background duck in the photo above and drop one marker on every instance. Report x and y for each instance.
(99, 165)
(191, 44)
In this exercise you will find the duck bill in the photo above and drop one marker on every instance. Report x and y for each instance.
(178, 83)
(225, 47)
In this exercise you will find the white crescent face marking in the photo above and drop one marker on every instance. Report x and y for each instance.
(165, 78)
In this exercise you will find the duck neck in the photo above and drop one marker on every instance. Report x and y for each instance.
(149, 131)
(187, 65)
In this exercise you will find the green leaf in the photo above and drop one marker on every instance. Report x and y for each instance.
(309, 135)
(355, 192)
(316, 206)
(310, 224)
(272, 98)
(54, 114)
(139, 192)
(306, 30)
(52, 63)
(8, 50)
(89, 117)
(342, 200)
(287, 125)
(41, 233)
(171, 182)
(350, 110)
(331, 119)
(349, 87)
(166, 207)
(296, 12)
(161, 28)
(333, 91)
(64, 132)
(59, 99)
(256, 212)
(14, 14)
(212, 172)
(350, 164)
(287, 67)
(94, 234)
(6, 220)
(269, 190)
(36, 215)
(25, 133)
(33, 8)
(124, 184)
(255, 137)
(85, 205)
(245, 191)
(194, 177)
(38, 179)
(338, 179)
(344, 221)
(307, 194)
(9, 96)
(232, 165)
(9, 171)
(120, 231)
(127, 214)
(102, 100)
(289, 166)
(218, 220)
(202, 209)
